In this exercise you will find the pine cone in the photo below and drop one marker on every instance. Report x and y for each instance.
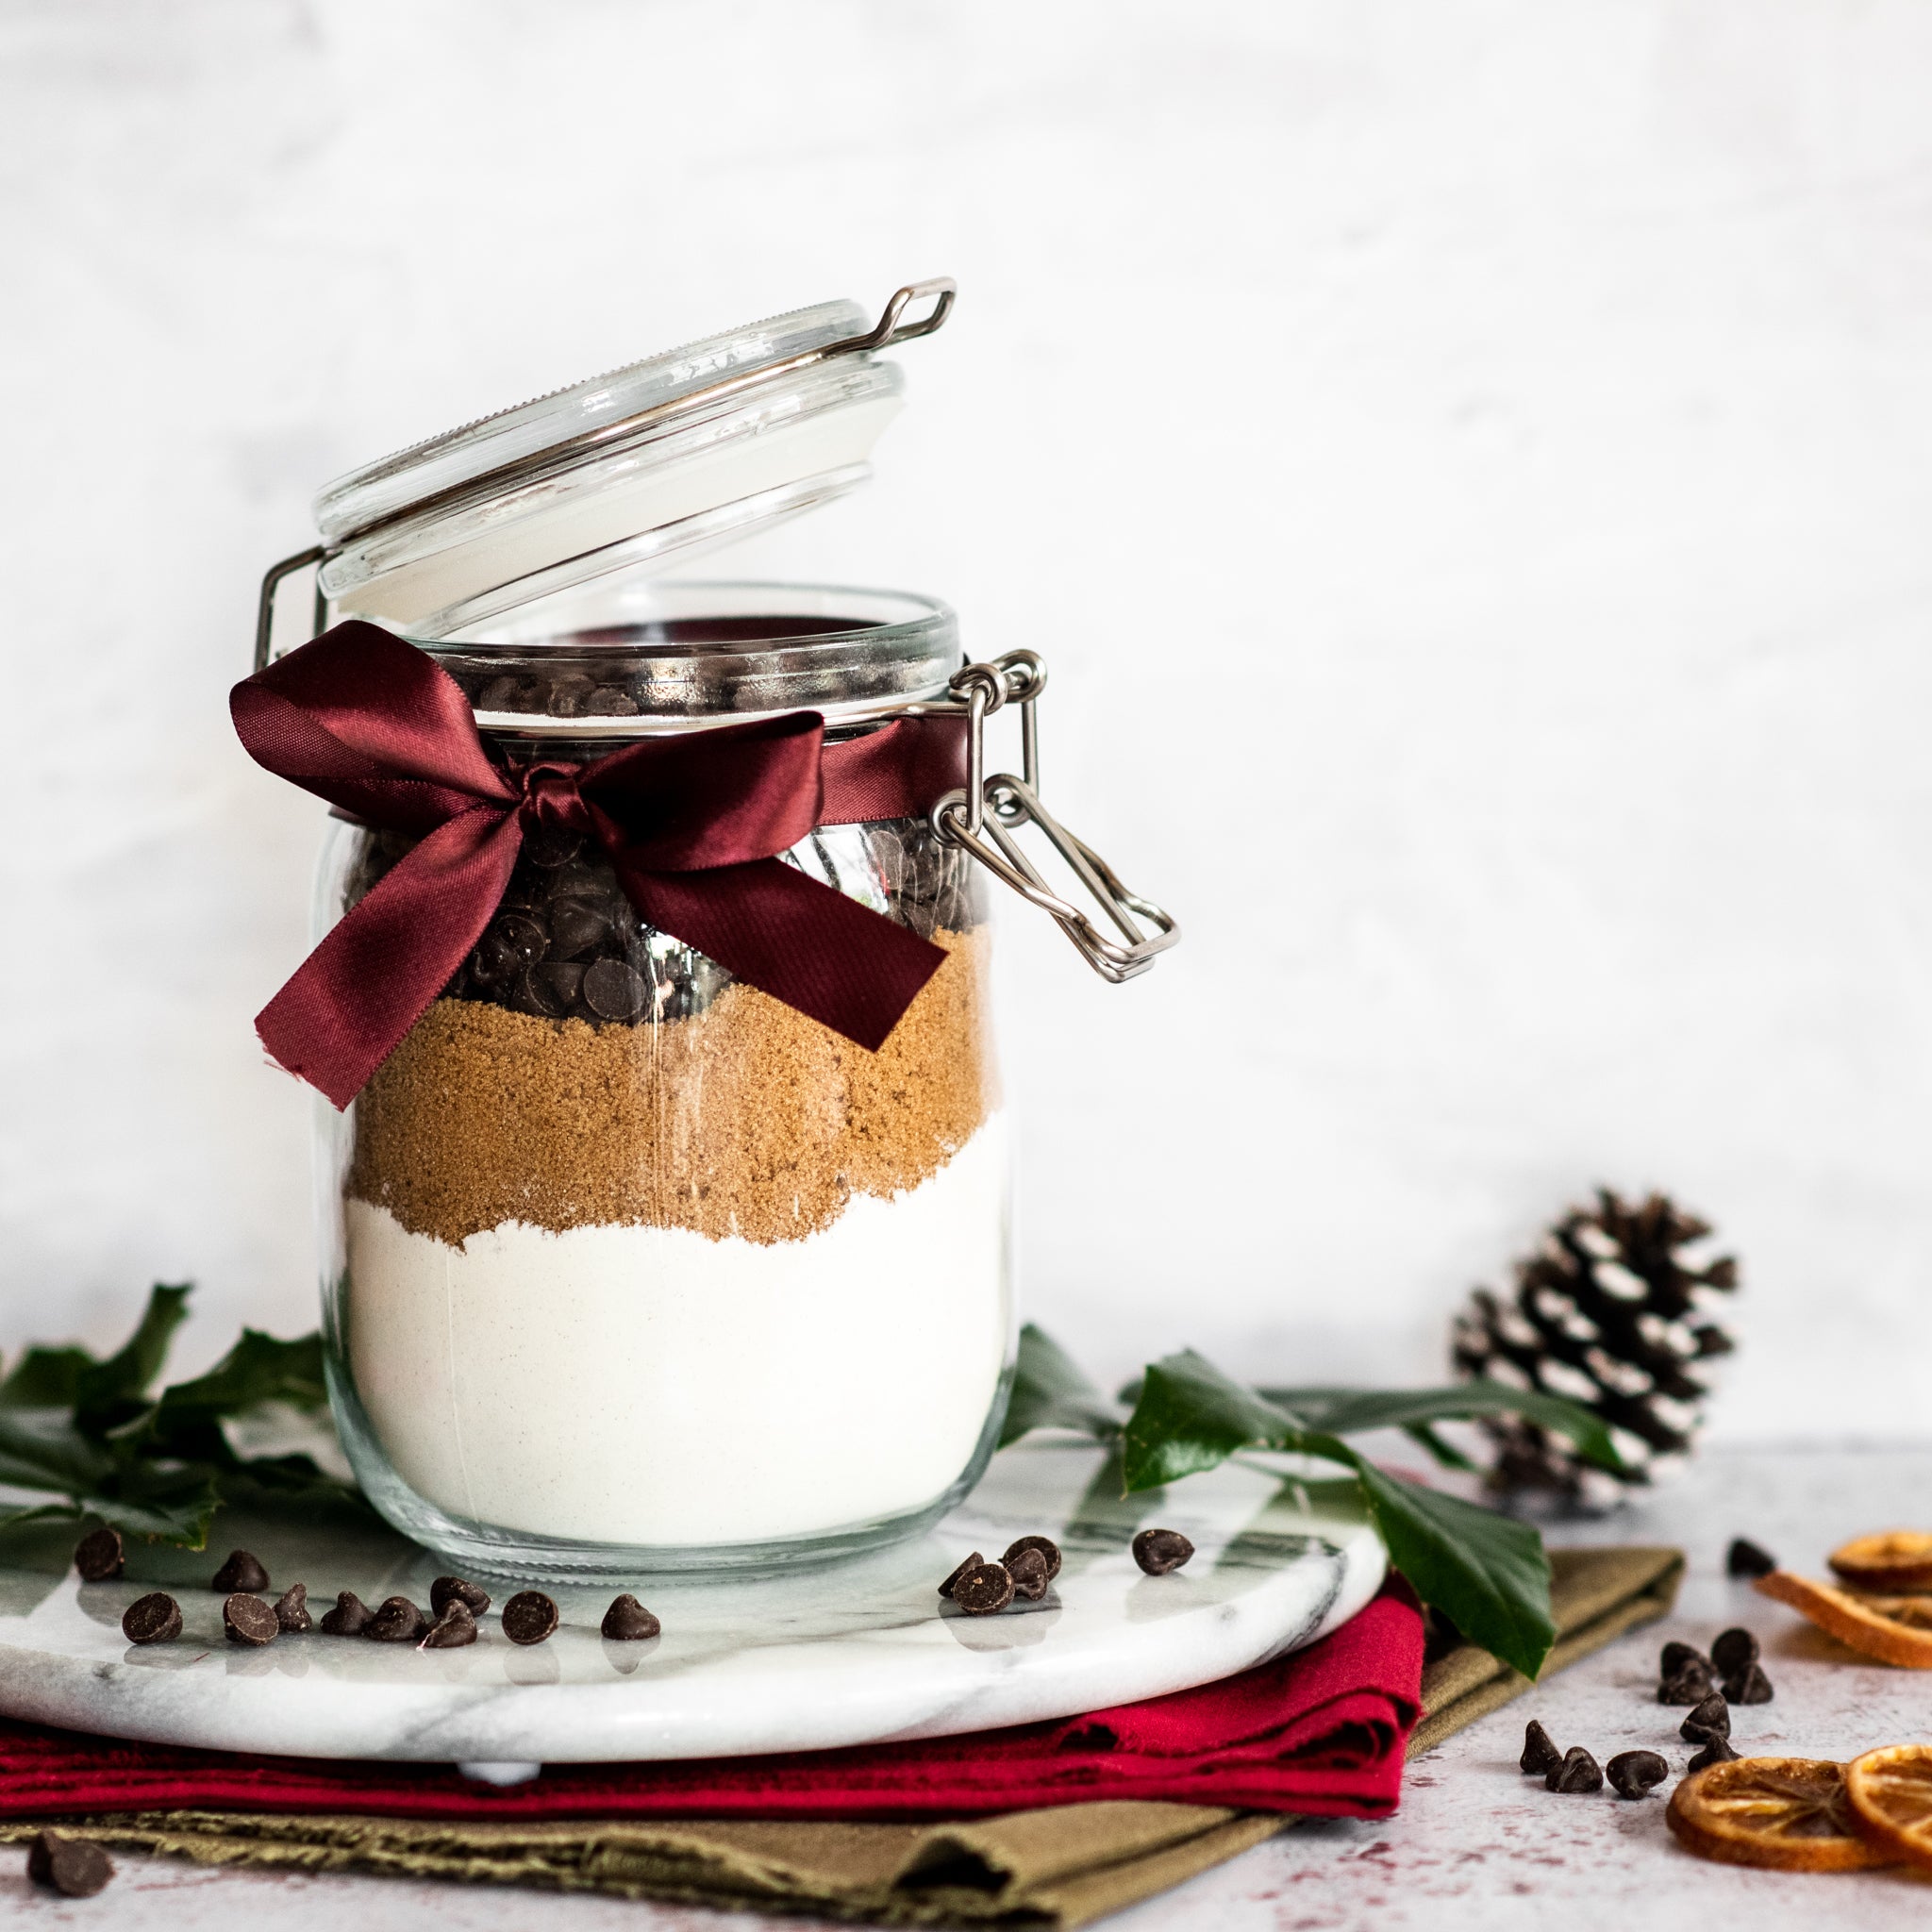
(1605, 1314)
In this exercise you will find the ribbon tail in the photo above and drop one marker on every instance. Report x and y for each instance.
(835, 960)
(375, 973)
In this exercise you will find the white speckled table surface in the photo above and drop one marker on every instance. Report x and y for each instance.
(1476, 1844)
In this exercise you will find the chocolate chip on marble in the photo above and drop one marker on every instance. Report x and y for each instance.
(1048, 1549)
(458, 1590)
(397, 1621)
(249, 1621)
(1540, 1754)
(1679, 1656)
(1711, 1719)
(529, 1617)
(1745, 1558)
(1749, 1686)
(615, 992)
(242, 1571)
(972, 1562)
(70, 1866)
(1733, 1650)
(291, 1608)
(1691, 1685)
(1635, 1774)
(349, 1618)
(984, 1589)
(152, 1619)
(1028, 1571)
(1716, 1751)
(1159, 1551)
(99, 1556)
(1578, 1772)
(627, 1621)
(454, 1627)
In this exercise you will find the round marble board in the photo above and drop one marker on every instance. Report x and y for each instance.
(859, 1651)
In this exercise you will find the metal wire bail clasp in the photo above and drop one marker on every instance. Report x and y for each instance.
(984, 817)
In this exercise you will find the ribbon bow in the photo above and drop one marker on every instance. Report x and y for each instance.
(693, 824)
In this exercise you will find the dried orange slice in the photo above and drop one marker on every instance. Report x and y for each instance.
(1790, 1814)
(1894, 1561)
(1895, 1629)
(1890, 1790)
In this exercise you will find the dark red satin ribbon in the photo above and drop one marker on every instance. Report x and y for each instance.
(693, 824)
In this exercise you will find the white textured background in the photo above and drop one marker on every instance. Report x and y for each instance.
(1467, 464)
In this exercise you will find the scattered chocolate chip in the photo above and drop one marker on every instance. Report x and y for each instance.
(152, 1619)
(1711, 1719)
(1540, 1754)
(1744, 1558)
(454, 1628)
(241, 1571)
(972, 1562)
(529, 1617)
(1028, 1571)
(291, 1608)
(397, 1621)
(1691, 1685)
(627, 1621)
(458, 1590)
(1578, 1772)
(1733, 1652)
(349, 1618)
(68, 1865)
(614, 991)
(248, 1620)
(1678, 1656)
(1716, 1751)
(984, 1589)
(99, 1556)
(1749, 1686)
(1634, 1773)
(1044, 1545)
(1157, 1551)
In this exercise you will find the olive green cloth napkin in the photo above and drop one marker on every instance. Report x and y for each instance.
(1059, 1866)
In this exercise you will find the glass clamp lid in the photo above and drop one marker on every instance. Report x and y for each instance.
(628, 470)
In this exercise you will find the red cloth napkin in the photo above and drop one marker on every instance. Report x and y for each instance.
(1322, 1730)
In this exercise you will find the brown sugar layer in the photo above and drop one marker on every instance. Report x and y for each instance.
(745, 1120)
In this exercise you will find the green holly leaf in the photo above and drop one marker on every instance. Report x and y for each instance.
(45, 1378)
(1348, 1411)
(1050, 1392)
(126, 1375)
(1190, 1417)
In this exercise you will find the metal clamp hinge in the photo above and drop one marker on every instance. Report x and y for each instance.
(983, 818)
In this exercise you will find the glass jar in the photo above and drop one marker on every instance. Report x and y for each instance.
(627, 1263)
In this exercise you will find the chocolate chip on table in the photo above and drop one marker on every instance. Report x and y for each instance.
(1674, 1657)
(627, 1621)
(68, 1865)
(1745, 1558)
(454, 1627)
(1028, 1571)
(1691, 1685)
(972, 1562)
(242, 1571)
(614, 990)
(1748, 1685)
(152, 1619)
(250, 1621)
(349, 1618)
(1578, 1772)
(458, 1590)
(529, 1617)
(1634, 1773)
(1044, 1545)
(1716, 1751)
(983, 1588)
(397, 1621)
(291, 1608)
(1732, 1652)
(1711, 1719)
(1540, 1754)
(99, 1556)
(1157, 1551)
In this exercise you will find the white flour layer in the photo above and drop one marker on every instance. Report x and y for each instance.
(644, 1385)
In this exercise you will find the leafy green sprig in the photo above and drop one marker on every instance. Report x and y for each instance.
(1486, 1571)
(93, 1434)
